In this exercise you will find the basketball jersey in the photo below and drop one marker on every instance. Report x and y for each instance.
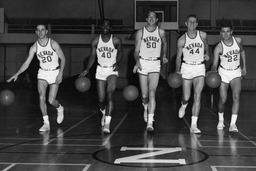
(48, 58)
(106, 52)
(230, 57)
(150, 44)
(193, 50)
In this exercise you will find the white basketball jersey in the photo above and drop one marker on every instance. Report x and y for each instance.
(230, 57)
(150, 44)
(47, 57)
(106, 52)
(193, 50)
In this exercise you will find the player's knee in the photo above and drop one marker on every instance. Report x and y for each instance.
(42, 98)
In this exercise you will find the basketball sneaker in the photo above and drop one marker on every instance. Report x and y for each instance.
(103, 116)
(45, 127)
(194, 129)
(220, 125)
(182, 110)
(233, 128)
(106, 128)
(60, 114)
(150, 127)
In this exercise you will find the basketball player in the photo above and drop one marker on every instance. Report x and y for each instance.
(193, 45)
(149, 42)
(229, 51)
(108, 49)
(50, 73)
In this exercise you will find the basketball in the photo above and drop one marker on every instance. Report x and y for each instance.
(130, 93)
(82, 84)
(174, 80)
(213, 79)
(7, 97)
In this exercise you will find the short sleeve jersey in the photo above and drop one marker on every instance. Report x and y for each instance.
(193, 50)
(48, 58)
(150, 44)
(106, 52)
(230, 57)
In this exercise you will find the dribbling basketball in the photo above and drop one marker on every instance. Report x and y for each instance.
(130, 93)
(82, 84)
(174, 80)
(7, 97)
(213, 80)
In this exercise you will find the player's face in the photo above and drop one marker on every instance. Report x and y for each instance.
(151, 18)
(41, 31)
(106, 27)
(191, 23)
(226, 33)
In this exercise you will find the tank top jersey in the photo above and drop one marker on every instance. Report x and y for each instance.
(193, 50)
(48, 58)
(106, 52)
(150, 44)
(230, 57)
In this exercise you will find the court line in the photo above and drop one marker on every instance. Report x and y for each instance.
(214, 168)
(51, 164)
(48, 142)
(247, 138)
(117, 126)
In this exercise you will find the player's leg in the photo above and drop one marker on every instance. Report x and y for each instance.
(153, 79)
(101, 88)
(223, 90)
(111, 87)
(42, 87)
(186, 92)
(52, 100)
(143, 79)
(235, 85)
(198, 84)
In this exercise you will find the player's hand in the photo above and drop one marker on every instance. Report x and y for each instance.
(136, 67)
(58, 79)
(84, 73)
(244, 72)
(165, 60)
(206, 57)
(14, 78)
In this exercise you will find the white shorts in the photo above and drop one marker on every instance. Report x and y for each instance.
(102, 73)
(49, 76)
(190, 72)
(229, 75)
(148, 67)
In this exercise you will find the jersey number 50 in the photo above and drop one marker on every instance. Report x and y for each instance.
(151, 44)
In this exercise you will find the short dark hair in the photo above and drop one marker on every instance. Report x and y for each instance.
(225, 24)
(192, 16)
(45, 25)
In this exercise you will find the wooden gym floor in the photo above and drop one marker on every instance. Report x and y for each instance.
(78, 144)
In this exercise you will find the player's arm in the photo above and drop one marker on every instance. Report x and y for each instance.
(164, 48)
(216, 56)
(243, 56)
(92, 56)
(61, 55)
(138, 40)
(118, 46)
(206, 45)
(180, 45)
(25, 65)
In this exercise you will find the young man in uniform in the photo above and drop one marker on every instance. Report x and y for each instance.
(149, 42)
(108, 49)
(50, 73)
(194, 47)
(229, 51)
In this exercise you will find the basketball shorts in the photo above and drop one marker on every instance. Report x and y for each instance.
(49, 76)
(229, 75)
(148, 67)
(103, 72)
(190, 72)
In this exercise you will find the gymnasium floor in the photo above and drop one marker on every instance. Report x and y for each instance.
(78, 144)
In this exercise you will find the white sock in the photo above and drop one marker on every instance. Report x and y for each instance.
(184, 105)
(233, 119)
(58, 108)
(194, 120)
(221, 116)
(145, 106)
(46, 119)
(150, 117)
